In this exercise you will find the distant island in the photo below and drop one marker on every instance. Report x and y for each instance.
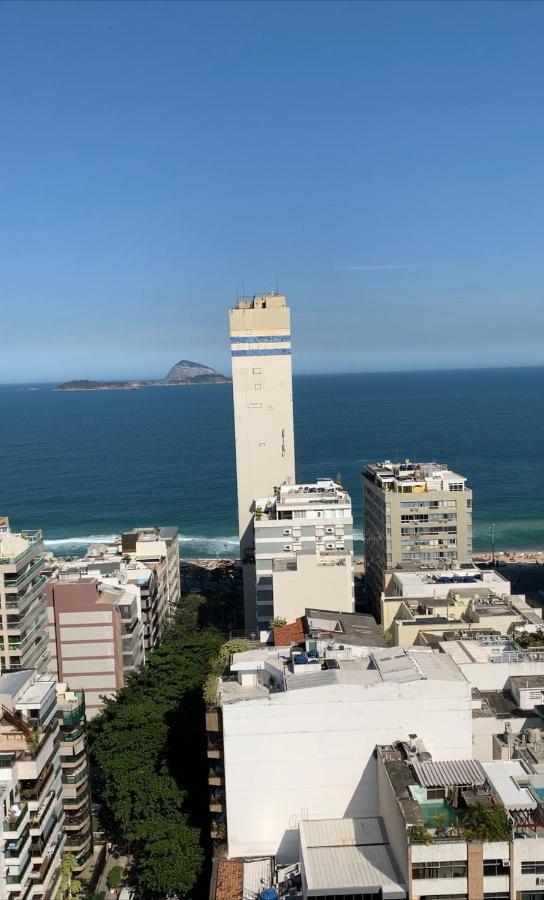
(184, 372)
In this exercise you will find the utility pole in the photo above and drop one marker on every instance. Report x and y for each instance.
(492, 543)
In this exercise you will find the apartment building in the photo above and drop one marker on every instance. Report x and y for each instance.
(157, 549)
(23, 628)
(74, 760)
(260, 337)
(293, 736)
(303, 550)
(421, 605)
(418, 512)
(461, 828)
(31, 823)
(95, 634)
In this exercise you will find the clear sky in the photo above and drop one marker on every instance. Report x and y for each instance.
(384, 160)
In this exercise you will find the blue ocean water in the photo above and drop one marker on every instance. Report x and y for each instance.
(86, 465)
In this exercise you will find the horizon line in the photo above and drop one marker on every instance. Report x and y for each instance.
(472, 368)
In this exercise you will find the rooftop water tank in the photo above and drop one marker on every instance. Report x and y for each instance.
(268, 894)
(300, 659)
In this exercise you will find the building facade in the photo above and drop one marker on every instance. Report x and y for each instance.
(419, 512)
(295, 741)
(31, 821)
(303, 551)
(260, 337)
(96, 634)
(158, 549)
(74, 760)
(23, 631)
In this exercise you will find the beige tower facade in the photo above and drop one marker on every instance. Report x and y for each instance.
(260, 335)
(414, 514)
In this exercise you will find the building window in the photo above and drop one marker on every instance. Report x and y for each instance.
(495, 867)
(455, 869)
(531, 895)
(497, 895)
(532, 867)
(257, 387)
(444, 897)
(256, 371)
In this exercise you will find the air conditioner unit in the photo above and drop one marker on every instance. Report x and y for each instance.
(287, 531)
(506, 865)
(329, 546)
(287, 546)
(540, 881)
(329, 530)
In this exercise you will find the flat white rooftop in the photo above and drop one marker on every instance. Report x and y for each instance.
(505, 777)
(348, 856)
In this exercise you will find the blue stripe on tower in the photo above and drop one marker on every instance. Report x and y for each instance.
(261, 339)
(260, 353)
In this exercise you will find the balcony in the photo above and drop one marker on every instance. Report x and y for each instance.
(15, 583)
(215, 748)
(67, 737)
(218, 828)
(77, 777)
(14, 852)
(75, 715)
(78, 820)
(217, 801)
(33, 538)
(73, 758)
(18, 879)
(16, 820)
(216, 776)
(37, 817)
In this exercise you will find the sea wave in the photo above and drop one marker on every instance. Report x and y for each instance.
(190, 544)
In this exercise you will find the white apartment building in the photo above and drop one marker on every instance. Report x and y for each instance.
(23, 607)
(295, 741)
(303, 550)
(158, 549)
(260, 338)
(418, 512)
(31, 820)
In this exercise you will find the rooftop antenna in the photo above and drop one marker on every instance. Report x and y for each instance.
(277, 291)
(243, 289)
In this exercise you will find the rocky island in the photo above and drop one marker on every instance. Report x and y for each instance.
(184, 372)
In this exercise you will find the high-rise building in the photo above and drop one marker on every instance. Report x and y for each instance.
(31, 818)
(96, 634)
(413, 512)
(76, 798)
(303, 551)
(23, 630)
(260, 334)
(158, 549)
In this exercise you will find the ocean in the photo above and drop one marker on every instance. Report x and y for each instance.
(84, 466)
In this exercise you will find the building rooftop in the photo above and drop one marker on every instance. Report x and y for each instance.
(414, 477)
(261, 301)
(436, 583)
(289, 497)
(344, 628)
(348, 856)
(14, 544)
(279, 670)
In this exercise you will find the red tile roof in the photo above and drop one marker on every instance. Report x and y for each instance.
(230, 879)
(293, 633)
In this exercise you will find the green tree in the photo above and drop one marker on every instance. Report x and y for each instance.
(70, 887)
(149, 747)
(113, 879)
(482, 824)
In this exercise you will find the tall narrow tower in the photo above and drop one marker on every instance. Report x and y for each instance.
(260, 335)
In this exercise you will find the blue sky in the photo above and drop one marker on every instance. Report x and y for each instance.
(385, 160)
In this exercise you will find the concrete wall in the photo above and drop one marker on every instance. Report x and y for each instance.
(310, 752)
(315, 583)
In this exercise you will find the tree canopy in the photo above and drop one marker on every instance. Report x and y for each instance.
(149, 747)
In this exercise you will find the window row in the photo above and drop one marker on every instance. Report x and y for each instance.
(446, 869)
(531, 867)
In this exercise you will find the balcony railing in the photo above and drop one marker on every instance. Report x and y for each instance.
(17, 852)
(76, 778)
(33, 538)
(14, 820)
(37, 817)
(74, 716)
(17, 879)
(10, 583)
(69, 736)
